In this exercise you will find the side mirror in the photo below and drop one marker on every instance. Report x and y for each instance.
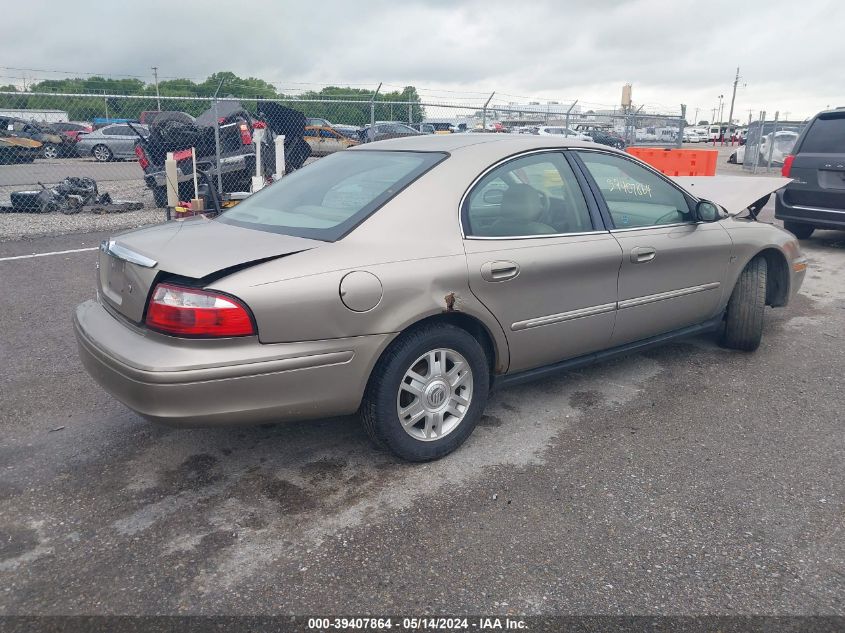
(706, 211)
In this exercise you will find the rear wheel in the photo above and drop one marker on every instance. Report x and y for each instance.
(50, 151)
(427, 392)
(744, 318)
(799, 229)
(101, 153)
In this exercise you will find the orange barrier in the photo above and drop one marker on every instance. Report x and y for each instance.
(678, 162)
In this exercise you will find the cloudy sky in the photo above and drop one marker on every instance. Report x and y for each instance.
(790, 54)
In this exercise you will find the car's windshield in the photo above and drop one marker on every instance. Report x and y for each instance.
(327, 199)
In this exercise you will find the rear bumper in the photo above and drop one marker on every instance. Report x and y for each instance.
(186, 382)
(819, 217)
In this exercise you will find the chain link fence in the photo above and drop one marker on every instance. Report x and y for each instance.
(75, 152)
(767, 143)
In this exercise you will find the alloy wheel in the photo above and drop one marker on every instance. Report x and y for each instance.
(435, 394)
(102, 153)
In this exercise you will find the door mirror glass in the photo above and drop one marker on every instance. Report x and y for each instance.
(706, 211)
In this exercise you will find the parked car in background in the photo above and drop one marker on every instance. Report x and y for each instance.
(815, 199)
(386, 130)
(53, 144)
(403, 279)
(16, 149)
(605, 137)
(694, 135)
(325, 140)
(177, 132)
(349, 131)
(556, 130)
(147, 116)
(112, 142)
(317, 122)
(424, 128)
(71, 129)
(784, 142)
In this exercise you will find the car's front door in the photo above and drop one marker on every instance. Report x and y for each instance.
(540, 260)
(121, 140)
(673, 268)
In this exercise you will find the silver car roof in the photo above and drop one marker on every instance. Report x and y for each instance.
(499, 145)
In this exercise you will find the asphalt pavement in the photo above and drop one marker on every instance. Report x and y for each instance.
(688, 479)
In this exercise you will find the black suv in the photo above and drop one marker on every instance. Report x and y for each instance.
(815, 199)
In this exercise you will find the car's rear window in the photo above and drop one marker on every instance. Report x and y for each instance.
(327, 199)
(826, 135)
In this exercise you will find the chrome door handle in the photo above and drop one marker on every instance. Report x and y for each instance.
(642, 254)
(499, 271)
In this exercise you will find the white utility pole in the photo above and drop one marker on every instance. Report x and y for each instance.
(158, 99)
(733, 98)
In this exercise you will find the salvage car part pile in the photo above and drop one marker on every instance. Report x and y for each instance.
(69, 196)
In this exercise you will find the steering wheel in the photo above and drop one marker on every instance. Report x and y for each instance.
(667, 215)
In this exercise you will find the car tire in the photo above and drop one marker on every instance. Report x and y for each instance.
(457, 357)
(799, 229)
(101, 153)
(49, 151)
(744, 318)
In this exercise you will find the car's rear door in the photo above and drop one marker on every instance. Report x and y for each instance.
(673, 268)
(540, 259)
(818, 168)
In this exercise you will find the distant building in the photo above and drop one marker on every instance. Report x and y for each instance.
(41, 116)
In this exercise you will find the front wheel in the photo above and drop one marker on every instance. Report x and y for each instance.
(101, 153)
(799, 229)
(744, 318)
(427, 392)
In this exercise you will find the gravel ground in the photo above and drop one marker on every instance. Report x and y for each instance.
(16, 226)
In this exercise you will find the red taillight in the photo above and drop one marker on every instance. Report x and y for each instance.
(199, 313)
(142, 157)
(246, 135)
(787, 165)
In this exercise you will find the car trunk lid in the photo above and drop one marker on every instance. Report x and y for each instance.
(198, 249)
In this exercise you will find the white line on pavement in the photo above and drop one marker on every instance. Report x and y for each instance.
(73, 250)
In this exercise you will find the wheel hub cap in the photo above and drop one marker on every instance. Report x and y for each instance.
(434, 394)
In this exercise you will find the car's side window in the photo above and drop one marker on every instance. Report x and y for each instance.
(529, 196)
(635, 196)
